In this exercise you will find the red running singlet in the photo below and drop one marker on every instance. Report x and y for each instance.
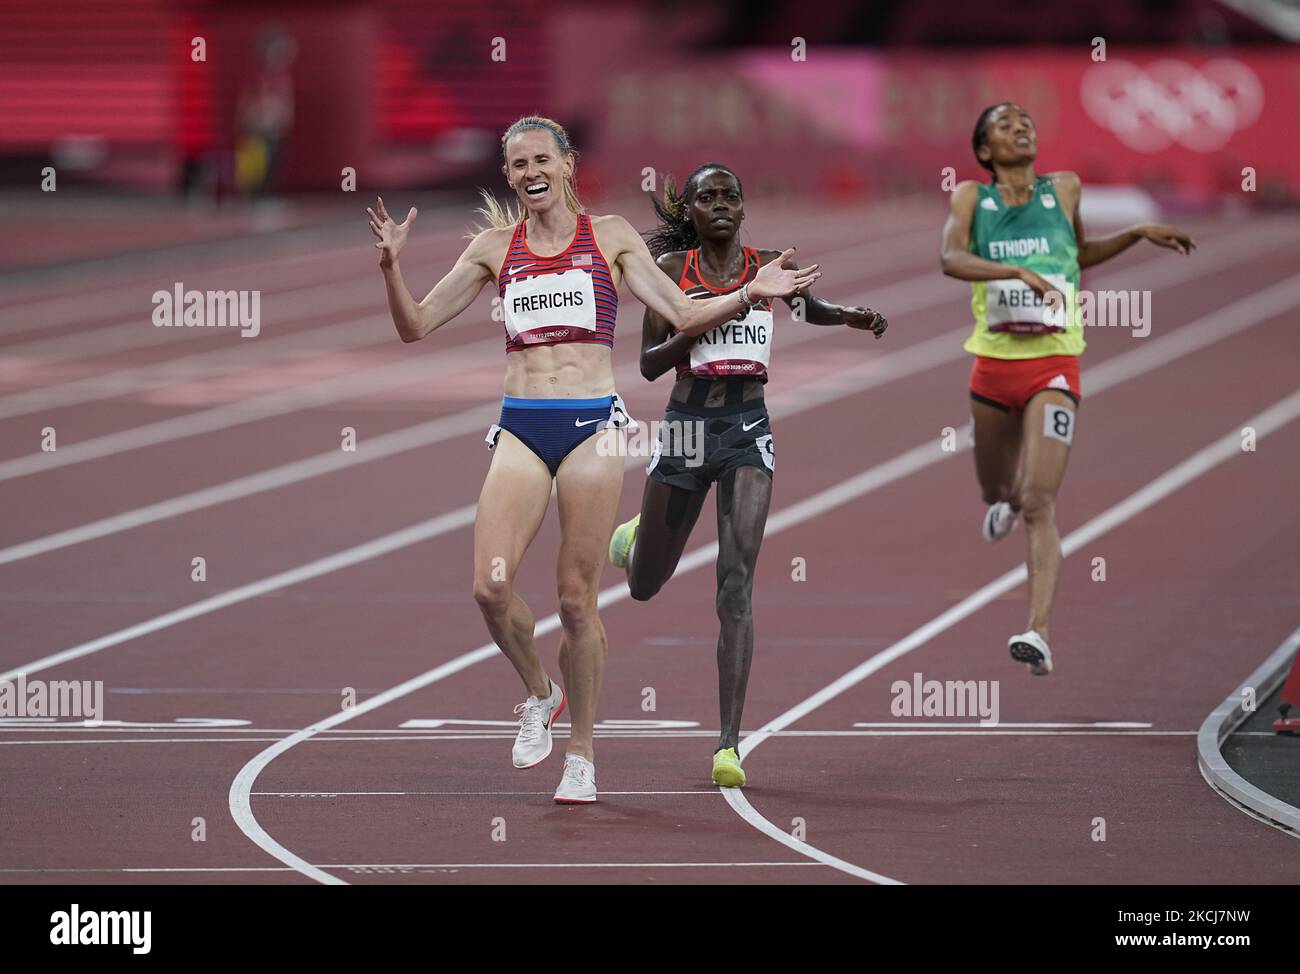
(553, 300)
(739, 348)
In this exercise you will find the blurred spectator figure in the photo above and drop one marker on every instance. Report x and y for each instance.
(264, 115)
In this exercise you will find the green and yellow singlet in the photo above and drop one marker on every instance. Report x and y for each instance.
(1011, 321)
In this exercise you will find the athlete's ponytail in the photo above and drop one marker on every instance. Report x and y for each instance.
(507, 215)
(676, 230)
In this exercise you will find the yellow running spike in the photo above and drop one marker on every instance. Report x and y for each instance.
(620, 545)
(727, 771)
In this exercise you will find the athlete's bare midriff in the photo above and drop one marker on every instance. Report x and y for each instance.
(717, 395)
(575, 370)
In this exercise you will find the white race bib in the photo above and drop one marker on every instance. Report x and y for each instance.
(546, 308)
(1012, 305)
(735, 347)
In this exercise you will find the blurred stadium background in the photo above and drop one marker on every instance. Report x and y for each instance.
(149, 145)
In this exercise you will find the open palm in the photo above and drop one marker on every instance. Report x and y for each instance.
(392, 235)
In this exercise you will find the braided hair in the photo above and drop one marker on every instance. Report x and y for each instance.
(676, 230)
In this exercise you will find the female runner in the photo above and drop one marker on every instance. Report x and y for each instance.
(1020, 242)
(557, 271)
(716, 427)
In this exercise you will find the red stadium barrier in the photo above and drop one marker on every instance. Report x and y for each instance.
(1181, 122)
(410, 93)
(1290, 695)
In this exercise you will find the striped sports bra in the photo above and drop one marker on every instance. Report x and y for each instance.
(554, 300)
(740, 348)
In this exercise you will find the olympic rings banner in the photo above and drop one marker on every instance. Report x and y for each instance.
(1183, 123)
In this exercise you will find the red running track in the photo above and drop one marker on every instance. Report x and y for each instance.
(1197, 591)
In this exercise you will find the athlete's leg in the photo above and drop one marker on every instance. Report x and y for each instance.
(667, 516)
(740, 532)
(997, 451)
(1047, 435)
(588, 485)
(511, 507)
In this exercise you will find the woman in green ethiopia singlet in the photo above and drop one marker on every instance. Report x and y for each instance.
(1020, 242)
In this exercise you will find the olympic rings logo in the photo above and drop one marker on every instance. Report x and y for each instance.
(1171, 102)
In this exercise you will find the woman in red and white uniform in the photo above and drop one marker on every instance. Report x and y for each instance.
(557, 271)
(716, 426)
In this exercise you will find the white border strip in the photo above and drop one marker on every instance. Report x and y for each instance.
(1226, 718)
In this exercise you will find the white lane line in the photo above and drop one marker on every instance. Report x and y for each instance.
(361, 737)
(912, 460)
(138, 332)
(68, 309)
(1194, 467)
(915, 459)
(202, 366)
(351, 556)
(60, 870)
(93, 304)
(209, 363)
(1004, 724)
(874, 371)
(858, 378)
(364, 332)
(367, 380)
(280, 310)
(850, 381)
(423, 794)
(1223, 721)
(362, 382)
(905, 362)
(382, 866)
(574, 865)
(239, 799)
(368, 450)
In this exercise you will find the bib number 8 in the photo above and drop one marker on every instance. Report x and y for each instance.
(1058, 423)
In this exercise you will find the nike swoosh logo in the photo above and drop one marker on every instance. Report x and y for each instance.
(747, 428)
(515, 270)
(585, 422)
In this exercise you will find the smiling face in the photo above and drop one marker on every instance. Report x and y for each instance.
(716, 206)
(1009, 137)
(536, 169)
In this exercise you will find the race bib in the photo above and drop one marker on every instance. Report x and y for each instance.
(736, 347)
(550, 307)
(1013, 306)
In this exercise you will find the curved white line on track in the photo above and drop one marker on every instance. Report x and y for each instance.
(1222, 722)
(1188, 338)
(239, 798)
(1235, 317)
(1200, 463)
(1214, 327)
